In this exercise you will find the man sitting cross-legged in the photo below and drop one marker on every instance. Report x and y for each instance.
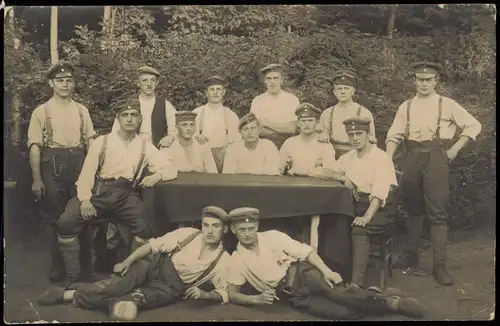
(108, 185)
(187, 154)
(276, 266)
(160, 272)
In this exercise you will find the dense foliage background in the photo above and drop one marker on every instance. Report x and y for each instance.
(189, 43)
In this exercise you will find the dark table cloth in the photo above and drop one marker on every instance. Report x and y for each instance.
(182, 199)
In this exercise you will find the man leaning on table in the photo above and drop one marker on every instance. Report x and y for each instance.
(270, 266)
(186, 153)
(276, 107)
(253, 155)
(372, 173)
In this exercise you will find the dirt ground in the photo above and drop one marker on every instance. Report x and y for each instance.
(471, 263)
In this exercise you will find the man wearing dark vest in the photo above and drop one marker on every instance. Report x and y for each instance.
(427, 124)
(186, 263)
(158, 114)
(330, 124)
(59, 131)
(108, 185)
(275, 108)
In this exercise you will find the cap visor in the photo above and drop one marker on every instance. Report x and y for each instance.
(425, 75)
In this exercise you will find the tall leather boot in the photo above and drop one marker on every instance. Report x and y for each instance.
(439, 238)
(410, 257)
(57, 270)
(360, 254)
(70, 249)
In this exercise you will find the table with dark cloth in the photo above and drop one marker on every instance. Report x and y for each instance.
(181, 201)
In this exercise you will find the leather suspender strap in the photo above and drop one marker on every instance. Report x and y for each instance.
(358, 113)
(210, 267)
(330, 123)
(102, 155)
(202, 119)
(183, 243)
(48, 126)
(407, 127)
(440, 112)
(139, 165)
(82, 125)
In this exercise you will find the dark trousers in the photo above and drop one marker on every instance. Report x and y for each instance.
(312, 294)
(122, 205)
(218, 153)
(150, 282)
(425, 186)
(60, 168)
(361, 237)
(334, 243)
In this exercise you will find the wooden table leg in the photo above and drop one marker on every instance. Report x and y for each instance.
(314, 231)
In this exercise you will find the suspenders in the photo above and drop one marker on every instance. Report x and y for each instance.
(50, 130)
(102, 155)
(202, 119)
(330, 122)
(184, 243)
(438, 128)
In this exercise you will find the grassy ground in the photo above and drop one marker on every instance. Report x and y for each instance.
(471, 263)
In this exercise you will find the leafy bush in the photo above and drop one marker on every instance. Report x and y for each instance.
(236, 41)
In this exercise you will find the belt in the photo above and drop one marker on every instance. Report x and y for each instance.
(286, 284)
(428, 145)
(115, 182)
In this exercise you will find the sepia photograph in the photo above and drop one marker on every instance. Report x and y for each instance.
(230, 163)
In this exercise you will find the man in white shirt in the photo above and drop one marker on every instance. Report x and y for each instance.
(304, 155)
(371, 171)
(344, 83)
(216, 124)
(427, 124)
(107, 185)
(158, 114)
(160, 272)
(60, 131)
(279, 268)
(185, 152)
(253, 155)
(275, 108)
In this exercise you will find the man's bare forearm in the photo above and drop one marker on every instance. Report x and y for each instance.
(391, 148)
(242, 299)
(139, 253)
(35, 155)
(373, 208)
(330, 174)
(315, 260)
(460, 143)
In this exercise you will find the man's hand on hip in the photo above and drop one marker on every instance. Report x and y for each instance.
(87, 210)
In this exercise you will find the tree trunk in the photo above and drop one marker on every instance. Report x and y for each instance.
(16, 103)
(106, 19)
(112, 20)
(392, 18)
(54, 55)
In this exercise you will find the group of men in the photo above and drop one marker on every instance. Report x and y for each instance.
(151, 141)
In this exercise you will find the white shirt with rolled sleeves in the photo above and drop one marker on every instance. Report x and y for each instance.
(305, 155)
(335, 124)
(373, 174)
(65, 124)
(265, 270)
(214, 125)
(276, 108)
(121, 160)
(264, 159)
(188, 264)
(423, 120)
(147, 106)
(200, 157)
